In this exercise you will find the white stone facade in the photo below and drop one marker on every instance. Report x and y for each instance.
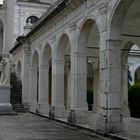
(54, 57)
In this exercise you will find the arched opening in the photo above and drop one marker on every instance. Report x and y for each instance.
(88, 64)
(125, 31)
(47, 73)
(137, 76)
(88, 44)
(64, 59)
(130, 32)
(35, 78)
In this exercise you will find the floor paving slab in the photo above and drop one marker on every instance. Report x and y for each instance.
(31, 127)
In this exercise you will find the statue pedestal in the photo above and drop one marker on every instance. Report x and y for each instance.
(5, 105)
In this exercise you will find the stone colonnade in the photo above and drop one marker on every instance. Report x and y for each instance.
(51, 89)
(36, 84)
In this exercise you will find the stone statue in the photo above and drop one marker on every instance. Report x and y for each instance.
(5, 71)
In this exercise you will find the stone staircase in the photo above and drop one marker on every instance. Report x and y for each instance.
(20, 108)
(16, 94)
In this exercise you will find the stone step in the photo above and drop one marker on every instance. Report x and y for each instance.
(20, 108)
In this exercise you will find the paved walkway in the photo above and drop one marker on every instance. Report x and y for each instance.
(31, 127)
(132, 129)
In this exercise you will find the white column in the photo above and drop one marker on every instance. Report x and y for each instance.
(110, 117)
(58, 87)
(79, 86)
(96, 104)
(25, 80)
(125, 108)
(43, 89)
(33, 88)
(68, 84)
(1, 42)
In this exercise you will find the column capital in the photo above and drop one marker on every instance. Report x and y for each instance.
(26, 50)
(33, 67)
(43, 66)
(113, 42)
(125, 66)
(79, 54)
(58, 62)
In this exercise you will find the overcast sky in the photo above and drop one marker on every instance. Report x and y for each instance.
(1, 1)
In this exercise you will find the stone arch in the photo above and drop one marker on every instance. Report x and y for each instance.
(64, 55)
(125, 69)
(63, 45)
(46, 73)
(35, 58)
(35, 77)
(62, 72)
(127, 28)
(88, 55)
(122, 26)
(125, 51)
(46, 54)
(84, 32)
(117, 18)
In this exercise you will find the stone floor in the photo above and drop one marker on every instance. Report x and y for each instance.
(132, 129)
(31, 127)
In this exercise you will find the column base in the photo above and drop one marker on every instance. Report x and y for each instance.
(43, 109)
(5, 108)
(77, 116)
(33, 107)
(51, 113)
(125, 111)
(59, 111)
(80, 116)
(5, 105)
(71, 117)
(110, 124)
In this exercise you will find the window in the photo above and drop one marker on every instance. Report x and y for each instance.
(32, 19)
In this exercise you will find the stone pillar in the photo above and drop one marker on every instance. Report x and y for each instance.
(79, 86)
(67, 80)
(110, 118)
(58, 87)
(43, 89)
(125, 107)
(96, 91)
(33, 89)
(1, 42)
(25, 80)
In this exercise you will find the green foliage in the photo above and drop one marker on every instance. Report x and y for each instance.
(134, 100)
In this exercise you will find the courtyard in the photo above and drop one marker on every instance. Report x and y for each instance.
(32, 127)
